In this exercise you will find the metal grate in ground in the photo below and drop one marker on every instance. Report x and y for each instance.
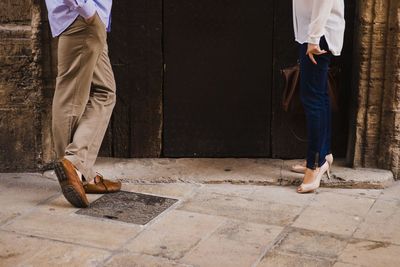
(128, 207)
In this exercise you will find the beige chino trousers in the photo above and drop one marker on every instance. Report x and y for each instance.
(85, 94)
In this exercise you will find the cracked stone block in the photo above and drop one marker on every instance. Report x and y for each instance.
(173, 190)
(174, 235)
(349, 204)
(234, 243)
(99, 233)
(323, 220)
(370, 193)
(370, 254)
(243, 208)
(304, 242)
(20, 192)
(281, 194)
(127, 259)
(19, 250)
(342, 264)
(274, 259)
(382, 222)
(391, 193)
(231, 190)
(333, 213)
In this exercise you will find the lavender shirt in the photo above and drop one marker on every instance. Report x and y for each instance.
(62, 13)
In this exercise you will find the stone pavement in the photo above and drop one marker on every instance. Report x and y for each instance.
(211, 225)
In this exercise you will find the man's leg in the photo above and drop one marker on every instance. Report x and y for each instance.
(87, 139)
(80, 47)
(79, 50)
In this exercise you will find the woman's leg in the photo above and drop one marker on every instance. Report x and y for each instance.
(328, 137)
(315, 99)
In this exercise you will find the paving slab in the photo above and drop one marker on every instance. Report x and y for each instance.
(242, 208)
(20, 193)
(311, 243)
(281, 194)
(19, 250)
(15, 249)
(230, 190)
(370, 254)
(334, 213)
(370, 193)
(280, 259)
(278, 194)
(174, 234)
(127, 259)
(382, 222)
(70, 227)
(342, 264)
(232, 170)
(323, 220)
(171, 190)
(234, 243)
(356, 205)
(391, 193)
(60, 206)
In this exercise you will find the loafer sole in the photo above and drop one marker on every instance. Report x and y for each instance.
(69, 191)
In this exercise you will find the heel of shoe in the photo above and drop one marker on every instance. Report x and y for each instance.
(328, 173)
(329, 159)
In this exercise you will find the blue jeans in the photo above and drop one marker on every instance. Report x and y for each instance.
(315, 98)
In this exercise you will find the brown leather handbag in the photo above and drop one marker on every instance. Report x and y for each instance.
(290, 99)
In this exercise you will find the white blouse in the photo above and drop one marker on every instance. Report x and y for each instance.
(313, 19)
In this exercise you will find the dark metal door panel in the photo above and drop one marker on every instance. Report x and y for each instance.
(218, 68)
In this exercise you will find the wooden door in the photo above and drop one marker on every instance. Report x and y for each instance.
(135, 48)
(202, 79)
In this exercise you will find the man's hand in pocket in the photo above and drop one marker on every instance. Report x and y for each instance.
(91, 19)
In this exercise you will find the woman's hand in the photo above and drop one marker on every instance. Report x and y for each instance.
(314, 49)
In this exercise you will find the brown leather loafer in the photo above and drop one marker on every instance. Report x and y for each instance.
(71, 184)
(102, 186)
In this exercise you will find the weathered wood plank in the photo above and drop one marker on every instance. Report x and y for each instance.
(136, 55)
(218, 78)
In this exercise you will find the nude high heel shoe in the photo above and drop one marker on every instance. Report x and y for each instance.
(305, 188)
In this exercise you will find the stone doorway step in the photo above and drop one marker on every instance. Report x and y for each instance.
(234, 171)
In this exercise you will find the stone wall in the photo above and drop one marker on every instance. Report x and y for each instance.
(377, 131)
(20, 85)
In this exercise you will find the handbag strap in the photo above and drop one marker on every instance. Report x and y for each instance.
(292, 77)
